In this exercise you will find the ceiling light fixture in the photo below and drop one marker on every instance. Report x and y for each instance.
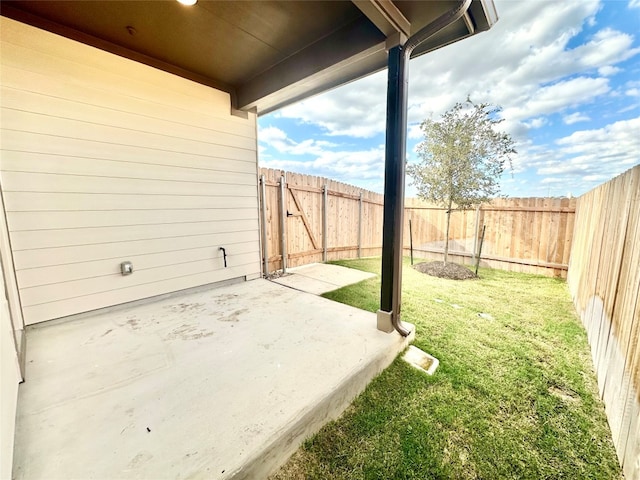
(188, 3)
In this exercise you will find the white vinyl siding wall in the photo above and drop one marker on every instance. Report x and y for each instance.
(9, 379)
(105, 160)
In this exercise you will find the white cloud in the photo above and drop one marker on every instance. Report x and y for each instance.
(533, 63)
(272, 135)
(586, 158)
(414, 132)
(319, 157)
(551, 180)
(528, 67)
(278, 139)
(520, 56)
(537, 122)
(364, 167)
(556, 97)
(629, 108)
(621, 134)
(608, 70)
(357, 109)
(575, 118)
(607, 46)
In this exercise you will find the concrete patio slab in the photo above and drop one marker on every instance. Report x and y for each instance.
(319, 278)
(223, 383)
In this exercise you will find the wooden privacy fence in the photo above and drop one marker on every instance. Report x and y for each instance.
(531, 235)
(313, 219)
(604, 280)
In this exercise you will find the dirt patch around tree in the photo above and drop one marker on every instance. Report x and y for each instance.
(448, 270)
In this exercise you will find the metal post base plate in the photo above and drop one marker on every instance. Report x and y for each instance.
(384, 321)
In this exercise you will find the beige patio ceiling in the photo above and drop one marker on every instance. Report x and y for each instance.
(265, 54)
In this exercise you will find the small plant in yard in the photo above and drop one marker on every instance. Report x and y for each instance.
(461, 158)
(514, 396)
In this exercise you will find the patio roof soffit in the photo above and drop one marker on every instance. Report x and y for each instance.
(332, 59)
(357, 50)
(265, 54)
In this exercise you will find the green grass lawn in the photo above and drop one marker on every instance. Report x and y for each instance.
(515, 395)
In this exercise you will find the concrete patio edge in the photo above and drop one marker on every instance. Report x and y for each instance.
(223, 383)
(284, 443)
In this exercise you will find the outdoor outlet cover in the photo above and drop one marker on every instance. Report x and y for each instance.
(126, 268)
(421, 360)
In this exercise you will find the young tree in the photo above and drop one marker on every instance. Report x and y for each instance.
(461, 158)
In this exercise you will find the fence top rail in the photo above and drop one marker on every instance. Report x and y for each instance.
(529, 209)
(334, 193)
(500, 209)
(312, 184)
(416, 207)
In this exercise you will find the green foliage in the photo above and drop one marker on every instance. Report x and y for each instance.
(462, 156)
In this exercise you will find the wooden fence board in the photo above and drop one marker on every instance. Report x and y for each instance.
(604, 281)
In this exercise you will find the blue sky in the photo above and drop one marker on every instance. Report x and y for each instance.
(566, 73)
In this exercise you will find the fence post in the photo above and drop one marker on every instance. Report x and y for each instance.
(325, 194)
(475, 233)
(265, 246)
(283, 222)
(484, 227)
(360, 227)
(411, 241)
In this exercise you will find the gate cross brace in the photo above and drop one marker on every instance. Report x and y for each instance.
(305, 220)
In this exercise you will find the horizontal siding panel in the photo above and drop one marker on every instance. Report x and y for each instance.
(34, 277)
(27, 83)
(88, 253)
(91, 286)
(35, 239)
(221, 157)
(105, 160)
(62, 308)
(27, 201)
(89, 113)
(66, 127)
(77, 65)
(20, 221)
(243, 185)
(39, 84)
(19, 165)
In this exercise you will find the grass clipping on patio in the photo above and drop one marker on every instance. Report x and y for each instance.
(515, 395)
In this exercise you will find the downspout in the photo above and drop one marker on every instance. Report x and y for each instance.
(395, 154)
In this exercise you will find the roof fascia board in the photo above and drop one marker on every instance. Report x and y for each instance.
(386, 16)
(484, 14)
(453, 34)
(371, 61)
(348, 45)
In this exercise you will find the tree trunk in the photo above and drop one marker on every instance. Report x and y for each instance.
(446, 235)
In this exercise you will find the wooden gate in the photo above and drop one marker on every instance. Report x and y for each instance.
(314, 219)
